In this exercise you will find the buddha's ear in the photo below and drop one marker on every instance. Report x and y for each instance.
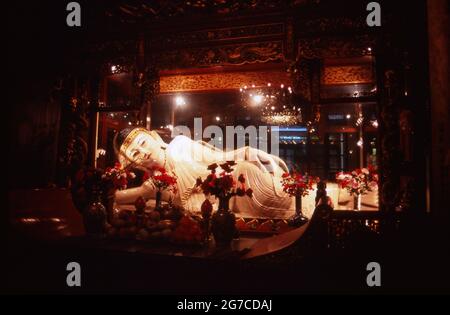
(158, 138)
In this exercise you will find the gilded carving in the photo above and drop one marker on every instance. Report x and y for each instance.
(301, 72)
(221, 81)
(326, 47)
(209, 36)
(223, 55)
(151, 9)
(351, 74)
(330, 25)
(290, 49)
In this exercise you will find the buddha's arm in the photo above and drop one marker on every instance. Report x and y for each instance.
(125, 196)
(263, 160)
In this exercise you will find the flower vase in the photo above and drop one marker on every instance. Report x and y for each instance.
(206, 210)
(108, 202)
(298, 219)
(357, 202)
(158, 200)
(298, 204)
(94, 217)
(223, 224)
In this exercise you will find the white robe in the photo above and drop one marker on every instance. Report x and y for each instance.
(189, 160)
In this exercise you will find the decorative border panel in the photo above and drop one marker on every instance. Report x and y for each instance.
(217, 35)
(221, 81)
(352, 74)
(332, 47)
(241, 54)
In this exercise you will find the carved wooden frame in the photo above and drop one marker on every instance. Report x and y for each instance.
(311, 48)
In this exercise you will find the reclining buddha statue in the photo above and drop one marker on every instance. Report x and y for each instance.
(189, 160)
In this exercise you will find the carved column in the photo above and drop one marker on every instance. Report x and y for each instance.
(389, 89)
(72, 144)
(402, 81)
(438, 43)
(301, 72)
(94, 85)
(66, 133)
(290, 39)
(150, 88)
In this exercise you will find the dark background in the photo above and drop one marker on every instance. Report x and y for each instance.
(40, 52)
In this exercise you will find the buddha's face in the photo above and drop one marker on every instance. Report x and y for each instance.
(145, 151)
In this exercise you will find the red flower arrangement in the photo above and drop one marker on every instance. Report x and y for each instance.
(163, 180)
(223, 185)
(360, 181)
(88, 182)
(117, 177)
(297, 184)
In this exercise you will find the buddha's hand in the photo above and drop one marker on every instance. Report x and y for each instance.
(127, 196)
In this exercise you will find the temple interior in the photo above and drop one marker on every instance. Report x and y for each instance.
(340, 114)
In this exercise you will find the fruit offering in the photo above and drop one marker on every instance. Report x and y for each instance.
(171, 212)
(165, 224)
(188, 231)
(139, 204)
(123, 225)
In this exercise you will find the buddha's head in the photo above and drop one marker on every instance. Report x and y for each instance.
(141, 148)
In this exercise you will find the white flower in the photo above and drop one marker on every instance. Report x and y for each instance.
(365, 171)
